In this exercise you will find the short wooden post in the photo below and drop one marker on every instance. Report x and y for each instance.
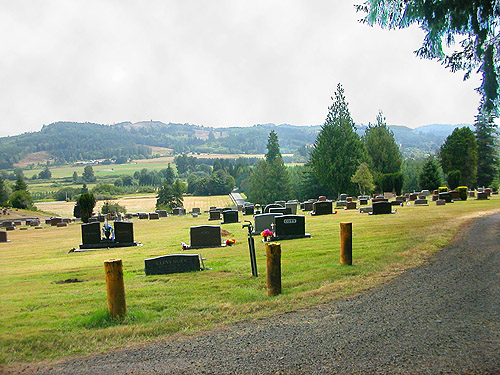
(115, 287)
(273, 257)
(346, 243)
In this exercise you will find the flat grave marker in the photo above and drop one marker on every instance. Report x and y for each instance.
(176, 263)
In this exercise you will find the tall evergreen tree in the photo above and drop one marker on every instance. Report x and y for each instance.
(364, 178)
(383, 153)
(86, 202)
(270, 181)
(20, 184)
(4, 196)
(338, 150)
(429, 178)
(459, 153)
(487, 166)
(88, 174)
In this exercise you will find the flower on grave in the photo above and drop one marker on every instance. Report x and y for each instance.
(408, 203)
(266, 233)
(184, 245)
(335, 212)
(230, 242)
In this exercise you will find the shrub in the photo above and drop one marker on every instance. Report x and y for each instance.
(463, 192)
(454, 178)
(21, 199)
(442, 189)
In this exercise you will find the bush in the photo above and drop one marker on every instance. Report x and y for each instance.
(463, 192)
(442, 189)
(113, 209)
(21, 199)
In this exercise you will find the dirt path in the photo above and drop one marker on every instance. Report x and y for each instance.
(440, 318)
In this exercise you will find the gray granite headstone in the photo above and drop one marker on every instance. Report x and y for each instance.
(264, 221)
(292, 206)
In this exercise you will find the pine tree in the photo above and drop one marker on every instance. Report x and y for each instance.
(364, 179)
(487, 166)
(270, 181)
(20, 184)
(88, 174)
(429, 178)
(338, 150)
(383, 153)
(459, 153)
(86, 202)
(4, 196)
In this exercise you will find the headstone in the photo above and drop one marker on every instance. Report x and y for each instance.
(194, 214)
(322, 208)
(55, 220)
(205, 236)
(17, 223)
(420, 202)
(350, 205)
(172, 264)
(472, 194)
(154, 216)
(130, 216)
(124, 232)
(365, 210)
(363, 202)
(91, 233)
(248, 210)
(264, 221)
(413, 196)
(340, 204)
(281, 203)
(482, 195)
(179, 211)
(289, 227)
(162, 213)
(66, 220)
(425, 193)
(440, 202)
(446, 196)
(455, 195)
(388, 195)
(62, 224)
(396, 203)
(3, 236)
(401, 198)
(308, 206)
(379, 198)
(292, 207)
(230, 216)
(143, 215)
(435, 197)
(322, 198)
(10, 228)
(488, 191)
(273, 205)
(214, 215)
(196, 210)
(381, 208)
(280, 210)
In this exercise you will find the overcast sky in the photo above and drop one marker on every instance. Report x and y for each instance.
(215, 63)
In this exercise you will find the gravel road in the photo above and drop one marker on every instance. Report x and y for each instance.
(440, 318)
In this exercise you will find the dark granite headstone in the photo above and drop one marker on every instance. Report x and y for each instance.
(380, 208)
(62, 224)
(363, 202)
(162, 213)
(172, 264)
(322, 208)
(3, 236)
(124, 231)
(205, 236)
(290, 226)
(413, 196)
(143, 215)
(445, 196)
(230, 216)
(154, 216)
(440, 202)
(379, 199)
(179, 211)
(455, 195)
(420, 202)
(248, 210)
(472, 194)
(55, 220)
(435, 197)
(196, 210)
(308, 206)
(214, 215)
(91, 233)
(482, 195)
(350, 205)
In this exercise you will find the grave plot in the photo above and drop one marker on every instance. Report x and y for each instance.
(121, 236)
(175, 263)
(205, 236)
(287, 227)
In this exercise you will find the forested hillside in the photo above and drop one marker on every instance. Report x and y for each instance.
(67, 142)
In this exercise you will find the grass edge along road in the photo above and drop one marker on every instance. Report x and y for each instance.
(44, 319)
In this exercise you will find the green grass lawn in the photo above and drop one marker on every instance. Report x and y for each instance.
(43, 319)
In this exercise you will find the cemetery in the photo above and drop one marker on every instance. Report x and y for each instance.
(167, 293)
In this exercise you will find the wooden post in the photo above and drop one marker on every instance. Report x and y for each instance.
(273, 256)
(115, 288)
(346, 243)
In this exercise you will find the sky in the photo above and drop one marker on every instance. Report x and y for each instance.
(215, 63)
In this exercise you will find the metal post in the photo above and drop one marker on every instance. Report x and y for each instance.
(251, 247)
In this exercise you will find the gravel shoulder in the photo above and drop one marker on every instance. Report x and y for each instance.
(440, 318)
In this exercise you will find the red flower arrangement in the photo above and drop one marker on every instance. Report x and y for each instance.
(230, 242)
(266, 233)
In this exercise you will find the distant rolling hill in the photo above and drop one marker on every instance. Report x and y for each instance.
(67, 142)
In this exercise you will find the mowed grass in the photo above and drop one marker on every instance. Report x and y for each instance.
(43, 319)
